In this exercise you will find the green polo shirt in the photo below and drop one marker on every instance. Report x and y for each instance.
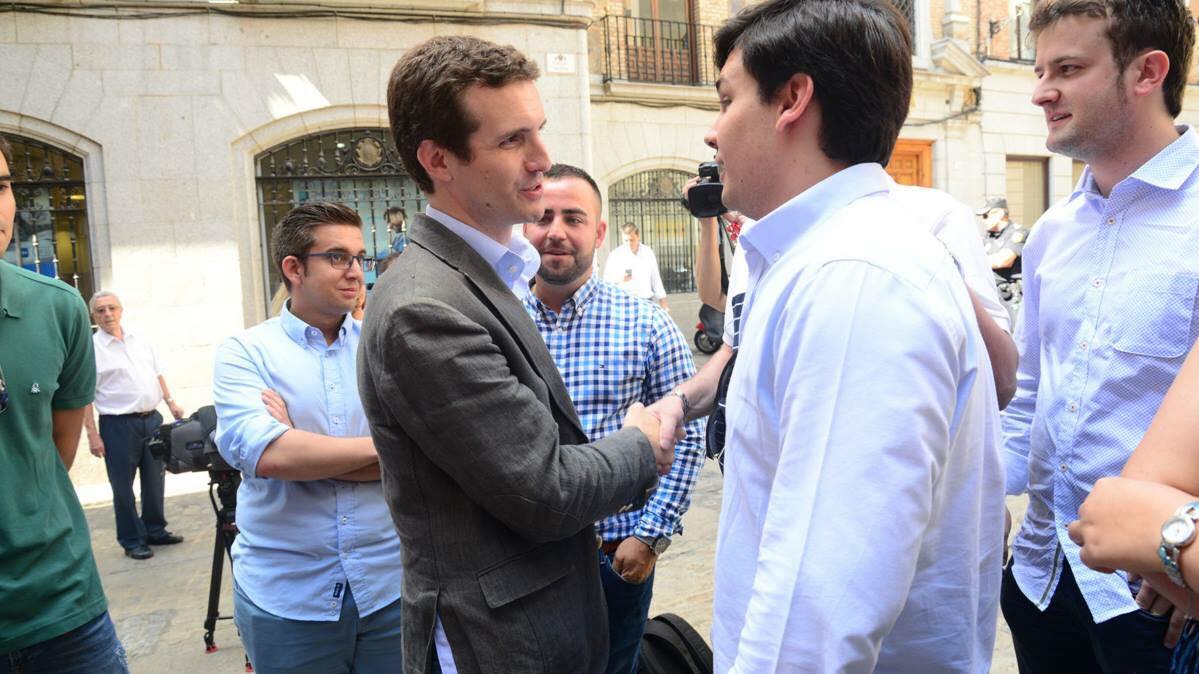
(49, 583)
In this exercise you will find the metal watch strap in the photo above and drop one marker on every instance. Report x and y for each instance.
(657, 544)
(1170, 553)
(686, 403)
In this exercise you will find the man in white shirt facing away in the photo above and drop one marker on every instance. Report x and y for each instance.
(634, 268)
(862, 518)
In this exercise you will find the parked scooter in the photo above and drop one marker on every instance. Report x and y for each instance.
(709, 332)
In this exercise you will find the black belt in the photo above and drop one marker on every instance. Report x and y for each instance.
(141, 415)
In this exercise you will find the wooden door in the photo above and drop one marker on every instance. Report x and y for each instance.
(912, 162)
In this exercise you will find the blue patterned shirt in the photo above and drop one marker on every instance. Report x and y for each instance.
(614, 350)
(1110, 286)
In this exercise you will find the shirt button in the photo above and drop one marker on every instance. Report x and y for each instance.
(337, 420)
(1082, 345)
(332, 387)
(1064, 468)
(1073, 407)
(345, 520)
(1098, 283)
(1111, 221)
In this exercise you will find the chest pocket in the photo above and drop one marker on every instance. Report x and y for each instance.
(1152, 316)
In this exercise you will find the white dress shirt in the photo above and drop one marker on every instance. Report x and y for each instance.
(1110, 287)
(952, 222)
(641, 268)
(516, 264)
(126, 374)
(862, 520)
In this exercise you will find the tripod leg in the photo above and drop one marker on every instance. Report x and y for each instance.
(214, 588)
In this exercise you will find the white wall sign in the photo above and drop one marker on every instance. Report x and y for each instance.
(560, 64)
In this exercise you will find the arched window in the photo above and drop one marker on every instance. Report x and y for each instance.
(358, 167)
(650, 199)
(50, 235)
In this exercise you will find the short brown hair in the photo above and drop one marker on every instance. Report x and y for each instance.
(858, 54)
(293, 235)
(630, 228)
(424, 94)
(1134, 26)
(6, 150)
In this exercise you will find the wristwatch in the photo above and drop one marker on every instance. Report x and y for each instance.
(657, 543)
(1177, 532)
(686, 403)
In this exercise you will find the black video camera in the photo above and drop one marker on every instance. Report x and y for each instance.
(187, 446)
(704, 198)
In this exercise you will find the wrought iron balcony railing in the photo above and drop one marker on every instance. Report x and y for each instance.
(647, 50)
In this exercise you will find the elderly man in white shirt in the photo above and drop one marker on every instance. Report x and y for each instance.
(862, 522)
(129, 387)
(634, 268)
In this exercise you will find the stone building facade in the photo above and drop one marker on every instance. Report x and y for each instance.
(159, 144)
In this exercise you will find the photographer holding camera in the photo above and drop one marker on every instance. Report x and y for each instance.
(316, 564)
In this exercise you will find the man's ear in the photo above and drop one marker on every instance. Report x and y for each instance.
(433, 158)
(793, 99)
(293, 269)
(601, 232)
(1148, 72)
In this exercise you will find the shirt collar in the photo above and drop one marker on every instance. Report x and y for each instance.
(776, 233)
(1169, 169)
(516, 263)
(106, 339)
(10, 298)
(579, 300)
(297, 329)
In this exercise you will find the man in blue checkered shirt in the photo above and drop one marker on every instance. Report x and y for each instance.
(613, 350)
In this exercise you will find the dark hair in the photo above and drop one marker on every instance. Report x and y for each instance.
(382, 265)
(560, 171)
(858, 54)
(6, 150)
(1134, 26)
(293, 235)
(390, 215)
(424, 94)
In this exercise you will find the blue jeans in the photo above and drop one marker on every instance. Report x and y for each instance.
(351, 644)
(125, 454)
(1064, 639)
(628, 612)
(92, 648)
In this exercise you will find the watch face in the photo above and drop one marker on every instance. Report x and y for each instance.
(1178, 531)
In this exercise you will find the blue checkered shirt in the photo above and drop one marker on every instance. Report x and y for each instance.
(1110, 287)
(614, 350)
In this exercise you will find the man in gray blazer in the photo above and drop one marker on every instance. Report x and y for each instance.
(491, 482)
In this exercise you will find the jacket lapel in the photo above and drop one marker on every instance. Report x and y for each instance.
(488, 287)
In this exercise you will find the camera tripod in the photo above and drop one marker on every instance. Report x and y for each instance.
(222, 486)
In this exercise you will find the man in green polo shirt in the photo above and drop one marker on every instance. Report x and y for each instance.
(53, 614)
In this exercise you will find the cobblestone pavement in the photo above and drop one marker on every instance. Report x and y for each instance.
(159, 605)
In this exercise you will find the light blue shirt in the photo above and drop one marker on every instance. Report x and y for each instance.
(861, 522)
(300, 542)
(516, 264)
(1108, 315)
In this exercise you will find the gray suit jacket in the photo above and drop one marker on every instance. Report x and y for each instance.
(490, 479)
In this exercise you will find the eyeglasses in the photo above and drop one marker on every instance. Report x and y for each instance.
(343, 261)
(3, 393)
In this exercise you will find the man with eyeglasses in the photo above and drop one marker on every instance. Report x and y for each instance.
(129, 387)
(317, 563)
(53, 613)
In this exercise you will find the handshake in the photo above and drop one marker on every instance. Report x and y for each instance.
(662, 424)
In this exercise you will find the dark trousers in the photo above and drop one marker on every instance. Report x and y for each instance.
(1063, 639)
(125, 454)
(92, 648)
(628, 612)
